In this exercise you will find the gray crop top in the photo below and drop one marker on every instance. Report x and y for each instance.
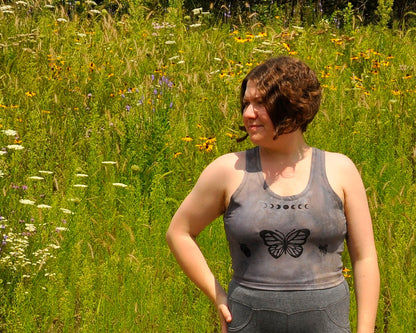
(285, 242)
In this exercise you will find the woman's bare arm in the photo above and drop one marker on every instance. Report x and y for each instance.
(361, 247)
(203, 205)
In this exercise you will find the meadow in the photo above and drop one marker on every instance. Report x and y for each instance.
(106, 123)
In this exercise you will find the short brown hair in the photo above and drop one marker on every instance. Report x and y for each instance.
(291, 92)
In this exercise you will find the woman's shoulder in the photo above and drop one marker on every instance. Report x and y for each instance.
(340, 171)
(230, 161)
(338, 161)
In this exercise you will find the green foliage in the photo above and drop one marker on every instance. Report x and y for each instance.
(106, 123)
(384, 11)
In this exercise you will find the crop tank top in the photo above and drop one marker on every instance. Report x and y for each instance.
(285, 242)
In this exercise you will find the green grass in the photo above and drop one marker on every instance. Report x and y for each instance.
(84, 91)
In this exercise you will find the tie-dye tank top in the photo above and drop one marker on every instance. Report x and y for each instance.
(286, 242)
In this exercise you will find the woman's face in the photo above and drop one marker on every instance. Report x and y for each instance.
(255, 117)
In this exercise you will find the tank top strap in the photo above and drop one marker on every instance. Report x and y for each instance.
(318, 166)
(253, 160)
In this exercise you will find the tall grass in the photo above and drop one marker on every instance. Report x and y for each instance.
(113, 120)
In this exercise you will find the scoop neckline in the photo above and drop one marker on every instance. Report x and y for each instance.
(286, 197)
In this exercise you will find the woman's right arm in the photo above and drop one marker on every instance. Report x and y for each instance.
(203, 205)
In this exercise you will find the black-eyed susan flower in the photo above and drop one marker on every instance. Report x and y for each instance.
(346, 271)
(30, 94)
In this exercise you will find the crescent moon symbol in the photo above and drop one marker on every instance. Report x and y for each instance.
(271, 205)
(278, 206)
(299, 206)
(293, 206)
(307, 206)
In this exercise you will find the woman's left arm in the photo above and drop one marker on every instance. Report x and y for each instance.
(361, 247)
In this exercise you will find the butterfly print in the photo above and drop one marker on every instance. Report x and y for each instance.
(291, 243)
(323, 248)
(245, 249)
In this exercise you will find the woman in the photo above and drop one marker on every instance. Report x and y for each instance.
(287, 208)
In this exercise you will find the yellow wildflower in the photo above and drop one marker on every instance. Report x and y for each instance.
(30, 94)
(286, 46)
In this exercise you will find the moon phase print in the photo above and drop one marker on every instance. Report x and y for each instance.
(279, 206)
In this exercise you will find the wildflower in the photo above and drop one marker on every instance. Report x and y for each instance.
(120, 185)
(80, 185)
(30, 227)
(45, 172)
(187, 139)
(15, 147)
(44, 206)
(170, 42)
(346, 271)
(30, 94)
(66, 211)
(6, 8)
(196, 25)
(94, 11)
(177, 154)
(3, 152)
(36, 177)
(9, 132)
(197, 11)
(61, 20)
(6, 11)
(108, 162)
(26, 202)
(1, 174)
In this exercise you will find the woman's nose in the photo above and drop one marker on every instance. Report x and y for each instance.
(249, 112)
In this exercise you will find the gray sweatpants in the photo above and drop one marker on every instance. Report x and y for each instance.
(310, 311)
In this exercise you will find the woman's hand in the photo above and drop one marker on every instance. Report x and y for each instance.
(225, 317)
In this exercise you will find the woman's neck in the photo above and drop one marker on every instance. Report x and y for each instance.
(289, 147)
